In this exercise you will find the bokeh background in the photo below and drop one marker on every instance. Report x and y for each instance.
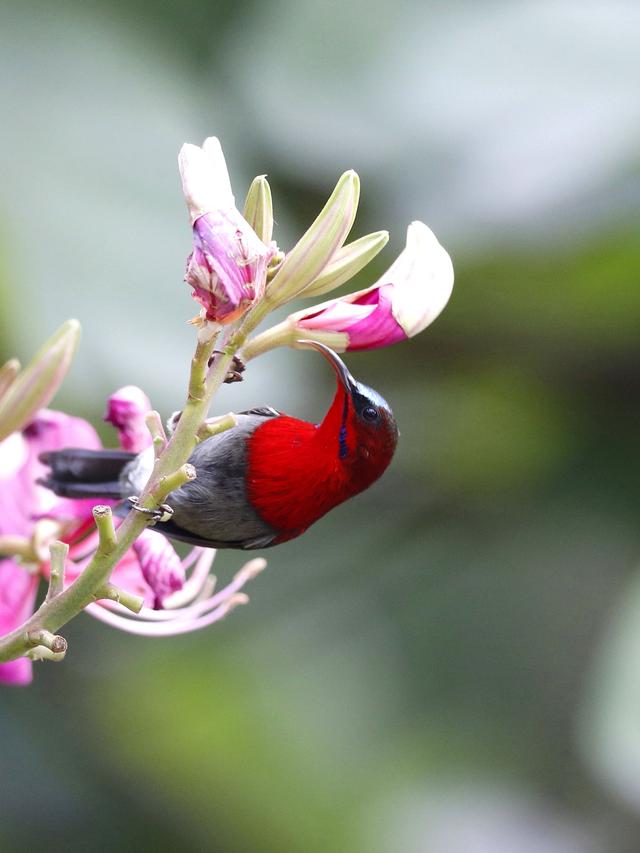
(451, 662)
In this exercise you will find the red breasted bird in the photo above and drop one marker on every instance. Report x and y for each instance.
(260, 483)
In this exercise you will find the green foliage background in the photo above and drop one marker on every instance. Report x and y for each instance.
(448, 664)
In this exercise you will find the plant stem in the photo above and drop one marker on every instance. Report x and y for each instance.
(110, 591)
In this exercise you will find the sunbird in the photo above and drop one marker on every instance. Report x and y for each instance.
(262, 482)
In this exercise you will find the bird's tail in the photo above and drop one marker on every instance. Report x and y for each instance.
(79, 473)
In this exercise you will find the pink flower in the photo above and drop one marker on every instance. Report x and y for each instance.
(228, 265)
(406, 299)
(178, 594)
(23, 504)
(22, 500)
(126, 410)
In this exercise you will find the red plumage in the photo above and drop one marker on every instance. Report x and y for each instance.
(298, 471)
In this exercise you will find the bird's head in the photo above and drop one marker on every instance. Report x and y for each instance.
(361, 420)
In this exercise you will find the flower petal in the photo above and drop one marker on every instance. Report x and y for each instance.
(17, 599)
(205, 178)
(368, 321)
(22, 500)
(160, 565)
(405, 300)
(422, 277)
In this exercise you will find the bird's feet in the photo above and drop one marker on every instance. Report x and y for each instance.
(162, 513)
(236, 370)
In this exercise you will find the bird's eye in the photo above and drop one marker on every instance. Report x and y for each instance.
(370, 414)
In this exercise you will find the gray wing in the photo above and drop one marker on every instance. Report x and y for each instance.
(214, 509)
(263, 411)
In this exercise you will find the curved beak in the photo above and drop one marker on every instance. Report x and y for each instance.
(335, 361)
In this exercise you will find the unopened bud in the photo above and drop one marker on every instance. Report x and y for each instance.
(126, 410)
(308, 258)
(227, 268)
(347, 262)
(40, 379)
(258, 208)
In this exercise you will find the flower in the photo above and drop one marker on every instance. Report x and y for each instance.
(405, 300)
(228, 265)
(126, 410)
(177, 593)
(26, 510)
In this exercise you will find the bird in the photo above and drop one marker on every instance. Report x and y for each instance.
(262, 482)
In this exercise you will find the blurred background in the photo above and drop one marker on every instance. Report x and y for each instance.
(451, 662)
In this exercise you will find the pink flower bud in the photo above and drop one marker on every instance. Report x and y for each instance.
(160, 565)
(228, 266)
(126, 410)
(406, 299)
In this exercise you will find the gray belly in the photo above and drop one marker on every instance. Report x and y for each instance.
(213, 507)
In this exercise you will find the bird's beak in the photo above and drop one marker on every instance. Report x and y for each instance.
(336, 362)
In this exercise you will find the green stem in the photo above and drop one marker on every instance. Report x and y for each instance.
(287, 334)
(110, 591)
(216, 425)
(284, 334)
(153, 422)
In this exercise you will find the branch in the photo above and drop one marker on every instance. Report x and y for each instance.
(154, 425)
(110, 591)
(107, 540)
(214, 426)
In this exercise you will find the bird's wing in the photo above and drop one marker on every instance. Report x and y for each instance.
(263, 412)
(174, 531)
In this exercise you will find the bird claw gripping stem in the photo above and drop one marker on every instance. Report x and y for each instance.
(236, 370)
(162, 513)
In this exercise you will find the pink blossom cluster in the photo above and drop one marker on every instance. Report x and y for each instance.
(178, 593)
